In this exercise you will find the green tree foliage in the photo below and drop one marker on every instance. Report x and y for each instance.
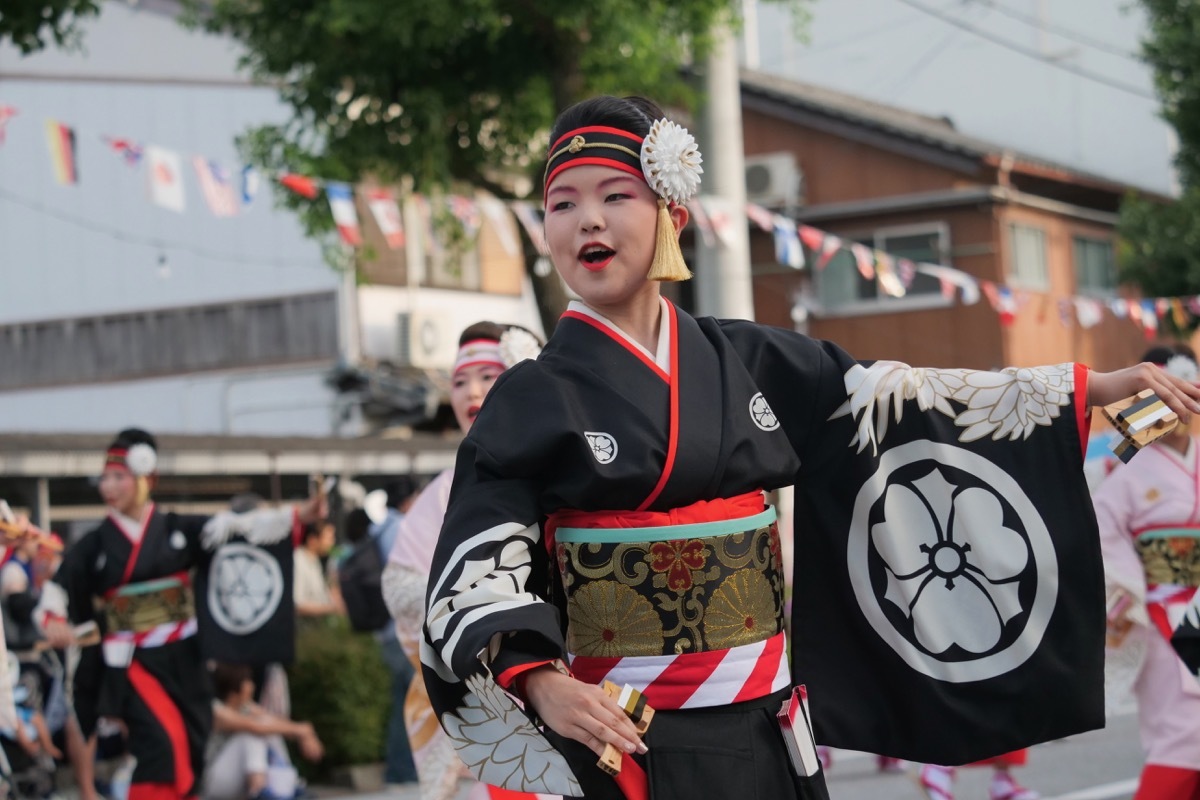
(1160, 247)
(437, 93)
(449, 91)
(32, 24)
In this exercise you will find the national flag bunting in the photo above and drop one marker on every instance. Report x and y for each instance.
(300, 184)
(6, 113)
(127, 149)
(166, 178)
(787, 242)
(502, 227)
(61, 140)
(341, 203)
(217, 187)
(382, 203)
(531, 221)
(250, 183)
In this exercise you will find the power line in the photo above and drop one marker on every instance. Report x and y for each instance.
(148, 241)
(1029, 52)
(921, 63)
(1061, 30)
(885, 27)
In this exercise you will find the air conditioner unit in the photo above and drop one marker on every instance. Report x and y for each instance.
(773, 180)
(425, 341)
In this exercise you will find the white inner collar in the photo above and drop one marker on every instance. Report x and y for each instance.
(662, 359)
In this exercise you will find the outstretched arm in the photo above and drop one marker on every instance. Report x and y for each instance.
(1105, 388)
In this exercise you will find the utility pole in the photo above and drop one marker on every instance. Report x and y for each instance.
(723, 287)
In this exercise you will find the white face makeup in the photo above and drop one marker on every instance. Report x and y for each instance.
(468, 387)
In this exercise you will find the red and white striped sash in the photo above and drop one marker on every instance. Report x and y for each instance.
(157, 636)
(695, 680)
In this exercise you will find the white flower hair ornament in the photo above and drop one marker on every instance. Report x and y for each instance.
(517, 345)
(1183, 368)
(141, 459)
(671, 164)
(671, 161)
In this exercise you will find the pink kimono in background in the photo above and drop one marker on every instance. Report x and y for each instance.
(404, 582)
(1149, 515)
(404, 579)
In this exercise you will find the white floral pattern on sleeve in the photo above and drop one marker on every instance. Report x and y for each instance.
(1010, 403)
(502, 747)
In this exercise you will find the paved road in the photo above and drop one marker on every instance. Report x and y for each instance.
(1101, 765)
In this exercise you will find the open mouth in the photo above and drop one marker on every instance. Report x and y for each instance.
(596, 257)
(472, 412)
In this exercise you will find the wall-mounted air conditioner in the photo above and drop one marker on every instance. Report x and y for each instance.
(774, 180)
(426, 341)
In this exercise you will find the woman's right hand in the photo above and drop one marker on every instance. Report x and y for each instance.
(310, 745)
(580, 711)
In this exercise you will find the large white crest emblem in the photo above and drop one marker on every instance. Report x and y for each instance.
(245, 587)
(603, 445)
(951, 562)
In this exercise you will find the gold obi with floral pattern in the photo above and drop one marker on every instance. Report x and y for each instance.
(673, 589)
(1170, 555)
(144, 606)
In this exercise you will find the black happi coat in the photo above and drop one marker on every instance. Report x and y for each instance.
(948, 589)
(181, 703)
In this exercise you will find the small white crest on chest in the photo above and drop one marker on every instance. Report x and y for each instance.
(761, 413)
(178, 540)
(603, 446)
(101, 560)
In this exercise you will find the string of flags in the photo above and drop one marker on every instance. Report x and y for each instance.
(228, 193)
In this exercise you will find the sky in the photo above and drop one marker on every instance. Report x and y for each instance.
(1059, 79)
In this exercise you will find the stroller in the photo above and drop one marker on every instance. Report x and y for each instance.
(29, 776)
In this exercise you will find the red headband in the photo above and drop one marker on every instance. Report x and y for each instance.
(596, 145)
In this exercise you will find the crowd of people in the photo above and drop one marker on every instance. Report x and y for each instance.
(606, 521)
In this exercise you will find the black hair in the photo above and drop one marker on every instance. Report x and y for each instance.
(399, 490)
(228, 678)
(131, 436)
(480, 330)
(1162, 353)
(357, 524)
(312, 530)
(485, 329)
(633, 114)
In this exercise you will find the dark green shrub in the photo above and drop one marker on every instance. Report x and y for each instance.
(340, 684)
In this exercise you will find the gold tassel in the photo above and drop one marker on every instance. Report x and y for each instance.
(142, 492)
(668, 262)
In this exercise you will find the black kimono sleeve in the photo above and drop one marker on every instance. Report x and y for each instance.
(949, 596)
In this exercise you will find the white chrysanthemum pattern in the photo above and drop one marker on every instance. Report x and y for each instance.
(501, 746)
(1010, 403)
(671, 161)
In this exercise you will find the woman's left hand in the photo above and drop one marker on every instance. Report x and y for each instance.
(1105, 388)
(314, 509)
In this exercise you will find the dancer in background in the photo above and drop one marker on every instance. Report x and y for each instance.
(486, 349)
(131, 576)
(1149, 516)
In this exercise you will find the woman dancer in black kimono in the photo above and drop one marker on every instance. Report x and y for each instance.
(607, 522)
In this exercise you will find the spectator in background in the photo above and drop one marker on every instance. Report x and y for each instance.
(312, 591)
(399, 768)
(247, 756)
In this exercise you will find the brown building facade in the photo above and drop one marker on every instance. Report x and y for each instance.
(914, 187)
